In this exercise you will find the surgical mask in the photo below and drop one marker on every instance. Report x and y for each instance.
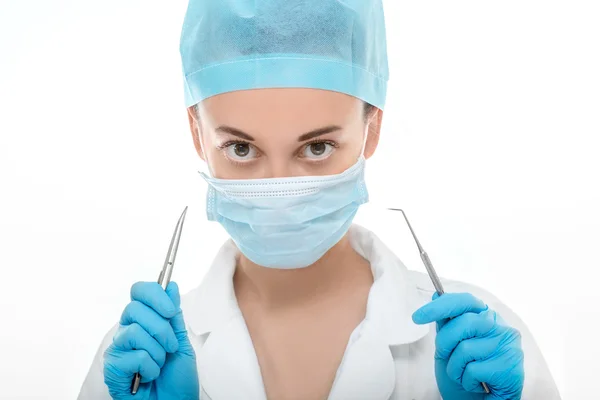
(287, 222)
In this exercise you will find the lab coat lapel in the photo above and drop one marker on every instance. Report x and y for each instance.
(378, 354)
(393, 296)
(226, 360)
(367, 371)
(227, 364)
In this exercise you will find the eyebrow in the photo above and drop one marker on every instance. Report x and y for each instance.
(319, 132)
(305, 136)
(234, 132)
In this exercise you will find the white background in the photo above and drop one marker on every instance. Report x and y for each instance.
(490, 143)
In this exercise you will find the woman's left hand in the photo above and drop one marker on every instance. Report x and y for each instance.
(473, 345)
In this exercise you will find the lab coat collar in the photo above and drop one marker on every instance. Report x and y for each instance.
(213, 303)
(392, 299)
(394, 296)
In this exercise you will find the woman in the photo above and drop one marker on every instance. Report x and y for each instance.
(285, 105)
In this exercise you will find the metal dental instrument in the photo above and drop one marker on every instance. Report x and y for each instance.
(437, 284)
(165, 277)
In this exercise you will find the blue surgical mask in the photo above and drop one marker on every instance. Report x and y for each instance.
(287, 222)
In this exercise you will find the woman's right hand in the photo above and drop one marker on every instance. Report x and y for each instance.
(153, 341)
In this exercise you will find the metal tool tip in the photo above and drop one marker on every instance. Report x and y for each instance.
(182, 215)
(398, 209)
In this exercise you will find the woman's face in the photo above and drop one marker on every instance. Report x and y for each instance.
(268, 133)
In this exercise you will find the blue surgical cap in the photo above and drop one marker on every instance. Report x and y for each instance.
(338, 45)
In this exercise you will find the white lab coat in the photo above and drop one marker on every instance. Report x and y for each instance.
(387, 357)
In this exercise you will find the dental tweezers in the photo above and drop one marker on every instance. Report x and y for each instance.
(437, 284)
(165, 277)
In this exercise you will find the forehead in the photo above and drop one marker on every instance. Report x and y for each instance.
(276, 106)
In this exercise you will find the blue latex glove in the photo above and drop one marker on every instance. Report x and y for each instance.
(153, 341)
(473, 345)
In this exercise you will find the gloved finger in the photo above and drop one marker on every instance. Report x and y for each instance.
(449, 305)
(158, 327)
(122, 390)
(468, 351)
(185, 346)
(121, 366)
(463, 327)
(178, 324)
(173, 294)
(439, 324)
(153, 295)
(504, 374)
(134, 337)
(119, 387)
(177, 321)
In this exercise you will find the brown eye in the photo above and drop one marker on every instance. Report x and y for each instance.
(318, 149)
(241, 149)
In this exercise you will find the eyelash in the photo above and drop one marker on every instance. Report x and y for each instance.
(231, 143)
(316, 141)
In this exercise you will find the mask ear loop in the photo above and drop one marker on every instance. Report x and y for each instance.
(206, 165)
(364, 145)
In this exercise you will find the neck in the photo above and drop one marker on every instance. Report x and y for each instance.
(334, 271)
